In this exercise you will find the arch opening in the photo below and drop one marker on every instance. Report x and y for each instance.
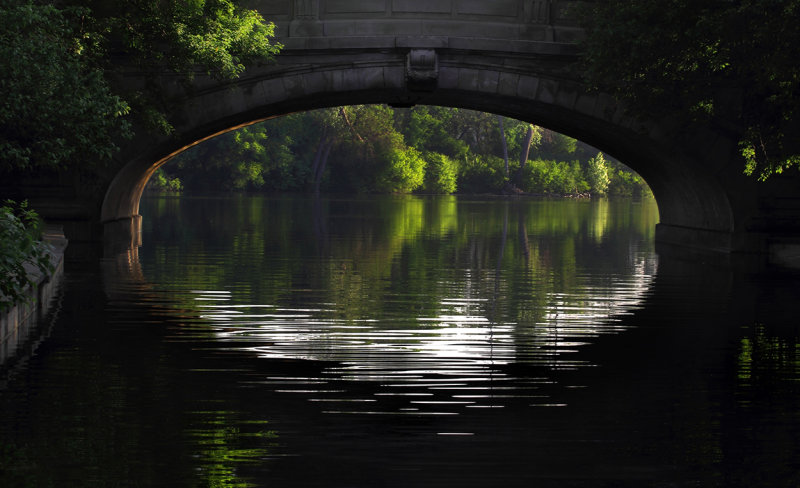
(424, 149)
(688, 196)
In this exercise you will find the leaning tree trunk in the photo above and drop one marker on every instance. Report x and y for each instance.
(320, 160)
(320, 170)
(523, 157)
(503, 140)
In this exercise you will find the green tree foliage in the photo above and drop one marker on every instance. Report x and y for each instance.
(374, 148)
(59, 109)
(20, 244)
(441, 173)
(256, 157)
(554, 177)
(733, 64)
(369, 154)
(162, 182)
(56, 106)
(215, 35)
(405, 172)
(597, 175)
(432, 129)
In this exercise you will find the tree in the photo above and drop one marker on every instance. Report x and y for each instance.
(597, 175)
(441, 173)
(59, 109)
(504, 144)
(730, 64)
(533, 137)
(20, 243)
(56, 106)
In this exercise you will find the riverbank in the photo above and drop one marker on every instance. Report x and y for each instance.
(17, 323)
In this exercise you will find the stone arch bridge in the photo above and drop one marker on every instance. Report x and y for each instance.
(511, 57)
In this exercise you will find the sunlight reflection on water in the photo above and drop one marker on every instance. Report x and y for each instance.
(459, 351)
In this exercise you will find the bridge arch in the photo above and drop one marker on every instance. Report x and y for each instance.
(530, 81)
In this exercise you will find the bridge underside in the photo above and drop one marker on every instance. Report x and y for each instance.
(704, 200)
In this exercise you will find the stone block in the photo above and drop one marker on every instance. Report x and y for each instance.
(487, 81)
(368, 78)
(282, 28)
(586, 103)
(497, 8)
(236, 100)
(305, 28)
(507, 84)
(271, 90)
(566, 96)
(315, 82)
(340, 28)
(528, 86)
(448, 77)
(468, 79)
(354, 6)
(388, 27)
(422, 42)
(428, 6)
(335, 80)
(470, 29)
(294, 86)
(548, 89)
(394, 77)
(361, 42)
(272, 8)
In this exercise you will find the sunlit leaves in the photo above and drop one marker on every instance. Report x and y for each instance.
(597, 175)
(220, 37)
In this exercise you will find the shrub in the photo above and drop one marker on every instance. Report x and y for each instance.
(20, 243)
(440, 176)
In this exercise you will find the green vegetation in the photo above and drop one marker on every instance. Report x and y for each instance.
(57, 107)
(60, 110)
(20, 244)
(377, 149)
(731, 64)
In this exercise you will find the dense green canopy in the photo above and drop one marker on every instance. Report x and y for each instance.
(58, 108)
(733, 63)
(378, 149)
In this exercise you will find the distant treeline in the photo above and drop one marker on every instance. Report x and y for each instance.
(378, 149)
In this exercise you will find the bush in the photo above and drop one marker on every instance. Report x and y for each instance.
(559, 177)
(440, 176)
(404, 173)
(482, 174)
(20, 243)
(162, 182)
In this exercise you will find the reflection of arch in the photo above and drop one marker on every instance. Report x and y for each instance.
(531, 81)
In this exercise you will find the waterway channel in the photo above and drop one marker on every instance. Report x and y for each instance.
(406, 342)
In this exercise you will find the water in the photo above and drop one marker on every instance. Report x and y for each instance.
(405, 341)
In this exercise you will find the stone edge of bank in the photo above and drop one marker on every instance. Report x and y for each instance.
(17, 322)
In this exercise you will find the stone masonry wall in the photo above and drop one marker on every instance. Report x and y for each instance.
(17, 323)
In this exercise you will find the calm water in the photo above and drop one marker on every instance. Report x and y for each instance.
(406, 342)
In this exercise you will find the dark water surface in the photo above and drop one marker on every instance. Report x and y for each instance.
(406, 342)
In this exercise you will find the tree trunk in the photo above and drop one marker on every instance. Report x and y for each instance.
(320, 170)
(318, 153)
(503, 140)
(523, 157)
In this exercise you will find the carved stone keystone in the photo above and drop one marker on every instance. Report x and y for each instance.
(422, 70)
